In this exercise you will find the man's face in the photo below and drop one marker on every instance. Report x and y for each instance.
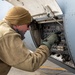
(22, 28)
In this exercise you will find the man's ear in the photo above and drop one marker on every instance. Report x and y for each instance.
(15, 27)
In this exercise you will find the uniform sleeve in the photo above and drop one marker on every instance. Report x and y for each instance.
(17, 55)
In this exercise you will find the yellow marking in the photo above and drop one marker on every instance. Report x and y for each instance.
(47, 67)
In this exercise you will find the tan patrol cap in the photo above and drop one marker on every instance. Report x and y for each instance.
(18, 16)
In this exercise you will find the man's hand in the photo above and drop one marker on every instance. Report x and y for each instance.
(51, 39)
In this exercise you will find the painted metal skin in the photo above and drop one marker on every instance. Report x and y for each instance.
(67, 6)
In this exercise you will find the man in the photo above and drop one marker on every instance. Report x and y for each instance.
(12, 49)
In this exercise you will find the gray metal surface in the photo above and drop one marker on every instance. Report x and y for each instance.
(48, 68)
(68, 9)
